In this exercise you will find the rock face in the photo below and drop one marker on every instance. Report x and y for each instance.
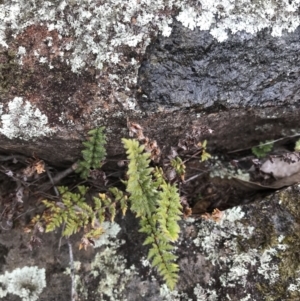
(227, 73)
(192, 69)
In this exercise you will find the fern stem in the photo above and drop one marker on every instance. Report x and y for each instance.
(73, 284)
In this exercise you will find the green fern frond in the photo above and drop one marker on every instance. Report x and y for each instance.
(169, 211)
(159, 253)
(95, 233)
(143, 192)
(179, 167)
(94, 152)
(262, 149)
(74, 212)
(159, 176)
(158, 206)
(121, 198)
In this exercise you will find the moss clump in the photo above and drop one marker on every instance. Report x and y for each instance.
(287, 286)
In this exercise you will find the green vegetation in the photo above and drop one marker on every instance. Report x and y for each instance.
(75, 214)
(179, 167)
(204, 154)
(154, 201)
(158, 206)
(94, 152)
(297, 146)
(262, 149)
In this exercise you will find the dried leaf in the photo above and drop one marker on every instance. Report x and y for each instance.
(282, 166)
(135, 130)
(217, 215)
(39, 166)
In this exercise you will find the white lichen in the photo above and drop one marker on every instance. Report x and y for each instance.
(114, 275)
(27, 283)
(174, 295)
(100, 34)
(224, 16)
(111, 230)
(24, 121)
(236, 265)
(110, 266)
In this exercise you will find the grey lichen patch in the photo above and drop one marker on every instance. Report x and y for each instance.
(108, 271)
(27, 283)
(237, 16)
(246, 248)
(24, 121)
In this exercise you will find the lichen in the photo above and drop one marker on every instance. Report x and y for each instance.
(27, 283)
(111, 36)
(222, 17)
(229, 245)
(24, 121)
(108, 267)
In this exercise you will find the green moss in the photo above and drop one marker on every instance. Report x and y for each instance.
(11, 74)
(288, 257)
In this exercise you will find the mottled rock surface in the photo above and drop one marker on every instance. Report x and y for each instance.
(224, 72)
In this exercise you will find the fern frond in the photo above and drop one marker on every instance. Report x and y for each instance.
(143, 192)
(112, 212)
(94, 152)
(179, 167)
(159, 176)
(120, 197)
(95, 233)
(159, 252)
(169, 211)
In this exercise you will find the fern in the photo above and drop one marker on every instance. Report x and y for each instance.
(179, 167)
(263, 149)
(168, 211)
(160, 251)
(158, 206)
(121, 198)
(73, 212)
(143, 192)
(94, 152)
(204, 154)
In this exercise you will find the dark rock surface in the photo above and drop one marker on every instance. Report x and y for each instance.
(192, 69)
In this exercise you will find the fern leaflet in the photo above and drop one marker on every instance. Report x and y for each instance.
(94, 152)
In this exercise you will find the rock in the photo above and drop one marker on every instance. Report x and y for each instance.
(190, 69)
(69, 66)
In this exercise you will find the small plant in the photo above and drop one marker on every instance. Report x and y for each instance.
(151, 198)
(74, 214)
(297, 146)
(94, 152)
(204, 154)
(179, 167)
(158, 206)
(262, 149)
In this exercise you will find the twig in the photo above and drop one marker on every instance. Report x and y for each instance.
(57, 178)
(73, 290)
(193, 156)
(62, 231)
(24, 213)
(263, 144)
(194, 177)
(52, 182)
(13, 157)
